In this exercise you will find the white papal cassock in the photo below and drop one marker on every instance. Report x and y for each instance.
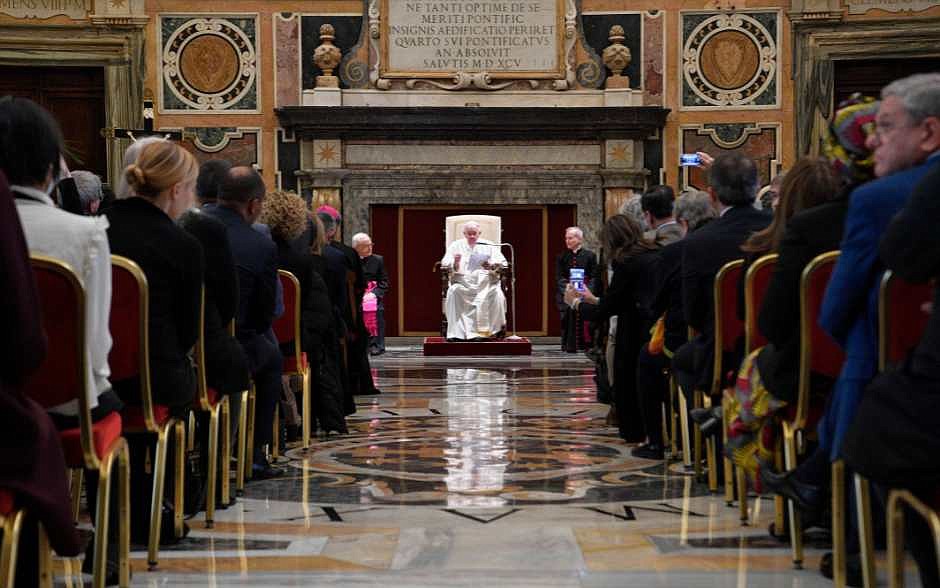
(475, 305)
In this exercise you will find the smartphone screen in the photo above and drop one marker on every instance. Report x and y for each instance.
(576, 278)
(690, 159)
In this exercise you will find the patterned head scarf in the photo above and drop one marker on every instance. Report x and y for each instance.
(852, 124)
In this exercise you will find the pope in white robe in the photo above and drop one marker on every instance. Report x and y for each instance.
(475, 306)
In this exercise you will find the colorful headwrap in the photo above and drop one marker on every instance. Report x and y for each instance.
(852, 124)
(330, 211)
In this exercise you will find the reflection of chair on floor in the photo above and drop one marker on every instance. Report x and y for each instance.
(490, 231)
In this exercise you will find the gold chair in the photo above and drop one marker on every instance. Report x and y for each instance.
(287, 329)
(756, 282)
(900, 327)
(895, 516)
(130, 358)
(63, 377)
(217, 405)
(820, 354)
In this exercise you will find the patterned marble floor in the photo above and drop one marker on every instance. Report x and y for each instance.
(479, 472)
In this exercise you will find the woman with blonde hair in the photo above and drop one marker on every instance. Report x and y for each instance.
(143, 229)
(287, 215)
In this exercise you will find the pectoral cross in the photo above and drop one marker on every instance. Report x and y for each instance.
(147, 131)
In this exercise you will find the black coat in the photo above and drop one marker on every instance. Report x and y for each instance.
(172, 260)
(318, 337)
(666, 297)
(704, 252)
(626, 298)
(809, 233)
(373, 270)
(583, 259)
(226, 366)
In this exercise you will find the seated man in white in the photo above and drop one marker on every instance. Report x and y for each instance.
(475, 305)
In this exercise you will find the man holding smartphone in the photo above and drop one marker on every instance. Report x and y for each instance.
(574, 335)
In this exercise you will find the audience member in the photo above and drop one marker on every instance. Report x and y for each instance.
(90, 191)
(629, 255)
(373, 270)
(32, 464)
(123, 189)
(30, 152)
(286, 214)
(657, 204)
(769, 195)
(240, 200)
(693, 210)
(32, 147)
(733, 187)
(894, 440)
(574, 334)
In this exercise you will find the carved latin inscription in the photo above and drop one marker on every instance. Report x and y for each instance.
(428, 37)
(75, 9)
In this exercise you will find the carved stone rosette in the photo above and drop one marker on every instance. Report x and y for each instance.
(617, 58)
(327, 56)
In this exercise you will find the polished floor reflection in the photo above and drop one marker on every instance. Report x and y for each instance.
(480, 471)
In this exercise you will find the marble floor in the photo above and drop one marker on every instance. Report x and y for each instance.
(479, 472)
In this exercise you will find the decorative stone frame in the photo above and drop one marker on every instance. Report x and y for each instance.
(363, 188)
(119, 49)
(818, 45)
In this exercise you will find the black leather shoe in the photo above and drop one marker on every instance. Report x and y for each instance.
(708, 419)
(805, 496)
(853, 568)
(649, 451)
(701, 415)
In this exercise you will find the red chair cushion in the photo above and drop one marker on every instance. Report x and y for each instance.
(285, 325)
(6, 502)
(731, 327)
(134, 416)
(213, 395)
(290, 364)
(104, 434)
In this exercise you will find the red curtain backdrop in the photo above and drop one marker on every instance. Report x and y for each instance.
(411, 239)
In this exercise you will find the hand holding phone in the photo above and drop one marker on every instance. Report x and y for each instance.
(690, 160)
(576, 278)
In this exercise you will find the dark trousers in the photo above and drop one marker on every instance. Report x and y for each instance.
(652, 387)
(265, 363)
(685, 366)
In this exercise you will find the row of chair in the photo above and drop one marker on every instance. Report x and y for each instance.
(98, 446)
(901, 326)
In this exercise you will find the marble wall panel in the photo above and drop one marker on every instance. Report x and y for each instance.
(730, 60)
(287, 58)
(208, 62)
(240, 146)
(430, 154)
(759, 141)
(654, 57)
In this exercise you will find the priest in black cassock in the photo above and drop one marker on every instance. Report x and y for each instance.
(574, 335)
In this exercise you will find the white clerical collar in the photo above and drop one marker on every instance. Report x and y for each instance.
(32, 194)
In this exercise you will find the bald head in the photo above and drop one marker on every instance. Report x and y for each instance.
(241, 185)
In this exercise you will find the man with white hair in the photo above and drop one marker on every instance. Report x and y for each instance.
(373, 270)
(573, 333)
(475, 305)
(89, 189)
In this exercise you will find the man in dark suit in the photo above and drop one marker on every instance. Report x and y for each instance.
(240, 197)
(373, 270)
(895, 439)
(572, 324)
(734, 183)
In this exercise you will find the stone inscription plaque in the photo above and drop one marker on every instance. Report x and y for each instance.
(437, 38)
(863, 6)
(74, 9)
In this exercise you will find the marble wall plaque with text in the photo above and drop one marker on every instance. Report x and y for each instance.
(74, 9)
(436, 38)
(863, 6)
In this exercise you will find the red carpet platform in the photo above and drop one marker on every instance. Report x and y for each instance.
(440, 347)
